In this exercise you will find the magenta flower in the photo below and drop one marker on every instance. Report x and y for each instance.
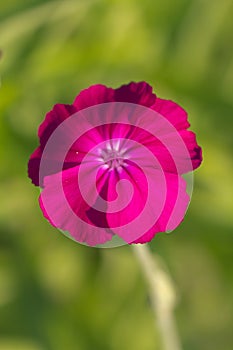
(112, 163)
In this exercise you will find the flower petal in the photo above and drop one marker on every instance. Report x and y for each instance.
(195, 151)
(64, 149)
(34, 166)
(176, 204)
(63, 205)
(53, 119)
(94, 95)
(176, 152)
(145, 201)
(138, 93)
(174, 113)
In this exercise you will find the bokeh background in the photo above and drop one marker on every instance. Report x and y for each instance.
(54, 293)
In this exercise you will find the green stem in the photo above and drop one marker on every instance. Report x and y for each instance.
(162, 294)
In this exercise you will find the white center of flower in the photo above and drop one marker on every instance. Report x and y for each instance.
(113, 156)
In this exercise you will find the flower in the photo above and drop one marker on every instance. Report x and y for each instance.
(112, 163)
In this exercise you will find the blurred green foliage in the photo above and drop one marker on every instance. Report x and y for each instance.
(56, 294)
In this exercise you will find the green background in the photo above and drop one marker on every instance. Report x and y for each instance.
(54, 293)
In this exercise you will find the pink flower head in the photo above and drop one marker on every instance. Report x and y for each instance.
(111, 165)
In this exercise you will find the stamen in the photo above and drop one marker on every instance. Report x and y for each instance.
(112, 156)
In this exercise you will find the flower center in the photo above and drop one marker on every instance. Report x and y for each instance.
(113, 157)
